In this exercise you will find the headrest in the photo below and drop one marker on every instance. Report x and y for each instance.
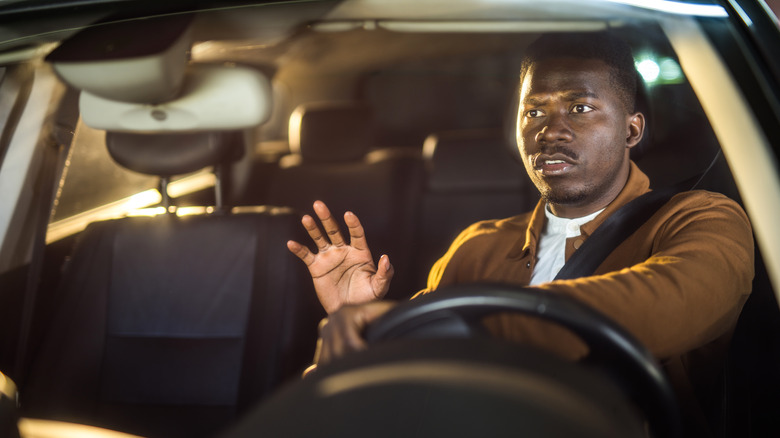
(331, 132)
(212, 98)
(141, 61)
(173, 154)
(471, 160)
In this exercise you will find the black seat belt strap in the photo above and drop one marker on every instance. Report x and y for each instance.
(612, 232)
(622, 224)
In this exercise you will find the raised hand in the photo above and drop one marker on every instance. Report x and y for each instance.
(343, 273)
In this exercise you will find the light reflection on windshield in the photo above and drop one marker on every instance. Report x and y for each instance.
(92, 178)
(673, 7)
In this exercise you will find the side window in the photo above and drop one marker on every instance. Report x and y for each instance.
(25, 100)
(680, 143)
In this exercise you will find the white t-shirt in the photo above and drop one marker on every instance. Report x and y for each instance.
(551, 255)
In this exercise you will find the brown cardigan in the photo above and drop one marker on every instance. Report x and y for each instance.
(678, 284)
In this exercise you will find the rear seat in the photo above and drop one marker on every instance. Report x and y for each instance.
(471, 176)
(332, 160)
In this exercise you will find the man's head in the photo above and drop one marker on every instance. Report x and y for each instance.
(576, 120)
(589, 45)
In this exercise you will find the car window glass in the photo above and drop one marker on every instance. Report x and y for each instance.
(2, 116)
(92, 179)
(773, 7)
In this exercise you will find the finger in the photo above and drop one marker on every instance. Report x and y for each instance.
(380, 283)
(332, 336)
(329, 223)
(357, 236)
(350, 338)
(314, 232)
(324, 344)
(318, 349)
(301, 252)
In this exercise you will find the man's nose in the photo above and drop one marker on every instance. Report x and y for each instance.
(556, 129)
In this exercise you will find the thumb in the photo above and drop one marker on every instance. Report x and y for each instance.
(369, 312)
(383, 276)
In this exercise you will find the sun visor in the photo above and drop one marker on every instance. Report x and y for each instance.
(141, 61)
(213, 97)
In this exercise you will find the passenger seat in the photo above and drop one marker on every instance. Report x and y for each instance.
(170, 325)
(332, 160)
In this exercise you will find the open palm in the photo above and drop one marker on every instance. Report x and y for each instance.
(343, 273)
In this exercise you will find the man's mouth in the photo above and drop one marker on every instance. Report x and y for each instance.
(553, 165)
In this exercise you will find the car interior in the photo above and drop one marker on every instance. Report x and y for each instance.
(161, 300)
(198, 292)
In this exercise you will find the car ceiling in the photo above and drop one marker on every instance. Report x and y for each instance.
(263, 32)
(354, 50)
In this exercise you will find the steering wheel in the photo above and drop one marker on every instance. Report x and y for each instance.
(456, 311)
(428, 373)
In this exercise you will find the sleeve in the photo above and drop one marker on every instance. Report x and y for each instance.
(690, 291)
(464, 261)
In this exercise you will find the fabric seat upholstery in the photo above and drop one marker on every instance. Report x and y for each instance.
(471, 175)
(171, 325)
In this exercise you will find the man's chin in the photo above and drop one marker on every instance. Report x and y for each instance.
(560, 197)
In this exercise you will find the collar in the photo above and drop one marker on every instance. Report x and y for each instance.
(566, 226)
(638, 184)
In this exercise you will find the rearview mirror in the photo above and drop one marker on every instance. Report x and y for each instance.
(213, 97)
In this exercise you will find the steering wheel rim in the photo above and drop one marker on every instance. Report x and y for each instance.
(455, 311)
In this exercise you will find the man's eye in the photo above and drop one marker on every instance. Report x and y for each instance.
(534, 113)
(581, 109)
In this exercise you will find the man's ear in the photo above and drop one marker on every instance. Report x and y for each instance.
(636, 128)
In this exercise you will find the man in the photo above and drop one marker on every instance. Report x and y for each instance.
(677, 284)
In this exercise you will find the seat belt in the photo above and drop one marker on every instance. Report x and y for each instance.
(623, 223)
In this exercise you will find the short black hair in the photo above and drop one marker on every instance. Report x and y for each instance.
(603, 46)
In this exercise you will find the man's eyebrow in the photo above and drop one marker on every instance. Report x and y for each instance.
(534, 101)
(574, 95)
(568, 96)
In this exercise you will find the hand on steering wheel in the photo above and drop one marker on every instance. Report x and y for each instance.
(457, 311)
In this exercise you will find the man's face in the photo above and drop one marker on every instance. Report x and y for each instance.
(574, 134)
